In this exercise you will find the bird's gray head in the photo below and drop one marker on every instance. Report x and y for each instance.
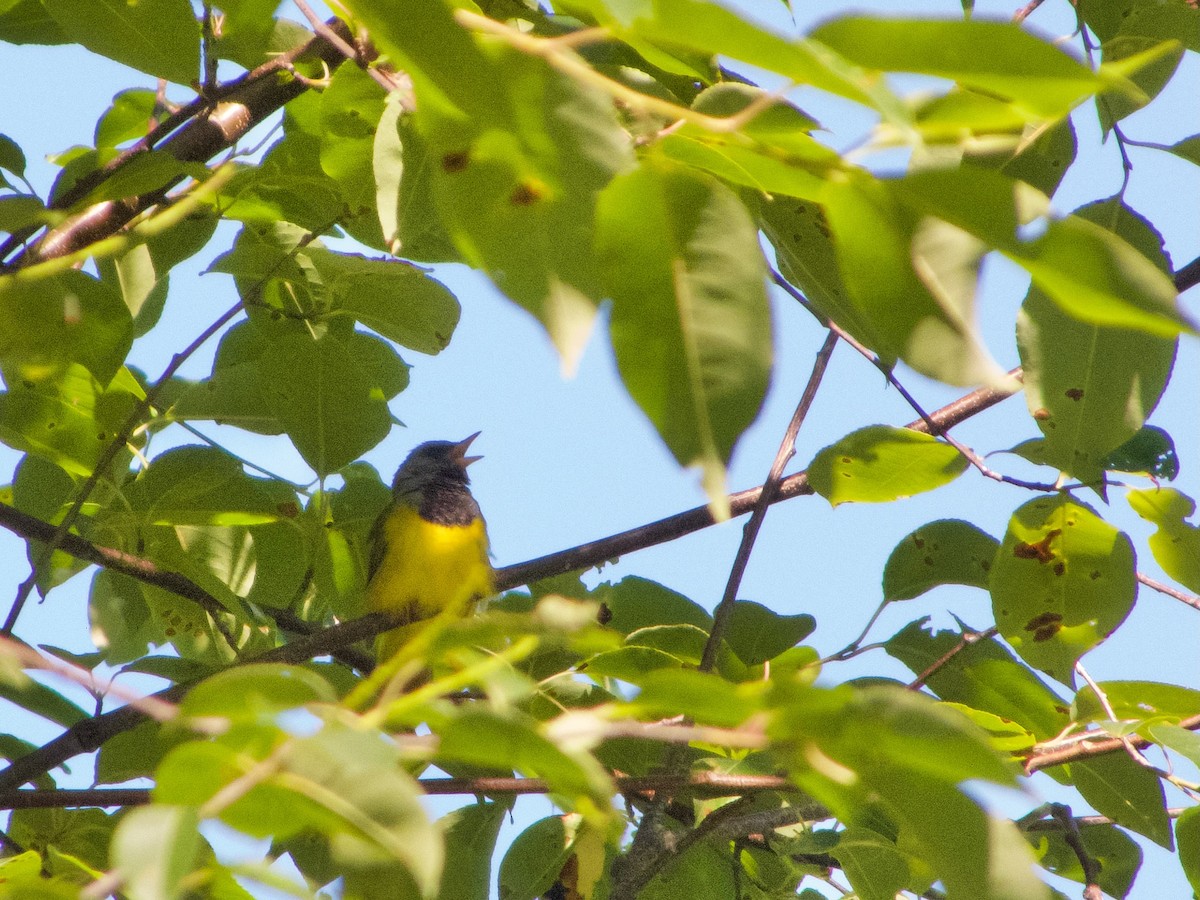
(434, 462)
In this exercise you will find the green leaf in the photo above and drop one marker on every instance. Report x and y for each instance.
(879, 464)
(50, 322)
(20, 211)
(470, 833)
(535, 857)
(200, 485)
(119, 617)
(1174, 737)
(136, 753)
(1187, 834)
(691, 325)
(998, 58)
(757, 634)
(257, 692)
(1128, 793)
(1137, 700)
(42, 701)
(128, 118)
(706, 871)
(771, 153)
(948, 551)
(154, 848)
(1090, 387)
(807, 258)
(1040, 158)
(1176, 543)
(398, 300)
(350, 110)
(710, 29)
(83, 834)
(1004, 734)
(68, 420)
(27, 22)
(1062, 583)
(886, 250)
(703, 696)
(1149, 452)
(876, 869)
(370, 804)
(1157, 63)
(1188, 148)
(12, 157)
(159, 37)
(509, 741)
(973, 854)
(324, 399)
(635, 603)
(1119, 857)
(519, 153)
(983, 675)
(1097, 277)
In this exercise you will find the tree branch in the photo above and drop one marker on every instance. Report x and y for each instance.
(787, 449)
(199, 132)
(596, 552)
(89, 735)
(1088, 748)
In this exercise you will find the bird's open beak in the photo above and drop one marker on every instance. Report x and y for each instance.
(458, 452)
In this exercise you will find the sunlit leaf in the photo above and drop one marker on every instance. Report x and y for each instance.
(1176, 543)
(948, 551)
(1062, 583)
(879, 464)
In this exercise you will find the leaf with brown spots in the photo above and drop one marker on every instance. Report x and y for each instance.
(1053, 614)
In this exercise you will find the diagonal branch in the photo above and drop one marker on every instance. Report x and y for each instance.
(787, 449)
(599, 551)
(200, 131)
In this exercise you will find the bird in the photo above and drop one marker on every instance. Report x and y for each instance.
(429, 553)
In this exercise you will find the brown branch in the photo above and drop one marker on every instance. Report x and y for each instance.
(596, 552)
(1190, 599)
(787, 449)
(212, 128)
(89, 735)
(1087, 749)
(968, 638)
(710, 784)
(1188, 276)
(1070, 832)
(1025, 11)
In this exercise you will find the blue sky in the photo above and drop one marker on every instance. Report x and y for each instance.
(568, 461)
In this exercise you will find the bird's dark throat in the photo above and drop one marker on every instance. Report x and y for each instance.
(448, 502)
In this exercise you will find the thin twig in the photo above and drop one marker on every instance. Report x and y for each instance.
(344, 47)
(1190, 599)
(599, 551)
(787, 449)
(1024, 12)
(968, 638)
(1089, 747)
(1070, 832)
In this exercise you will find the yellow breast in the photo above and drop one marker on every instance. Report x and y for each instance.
(426, 570)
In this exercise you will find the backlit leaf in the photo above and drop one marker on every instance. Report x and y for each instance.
(1062, 583)
(879, 464)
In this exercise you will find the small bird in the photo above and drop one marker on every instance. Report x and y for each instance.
(429, 547)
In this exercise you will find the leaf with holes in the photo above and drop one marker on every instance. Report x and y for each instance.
(1062, 582)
